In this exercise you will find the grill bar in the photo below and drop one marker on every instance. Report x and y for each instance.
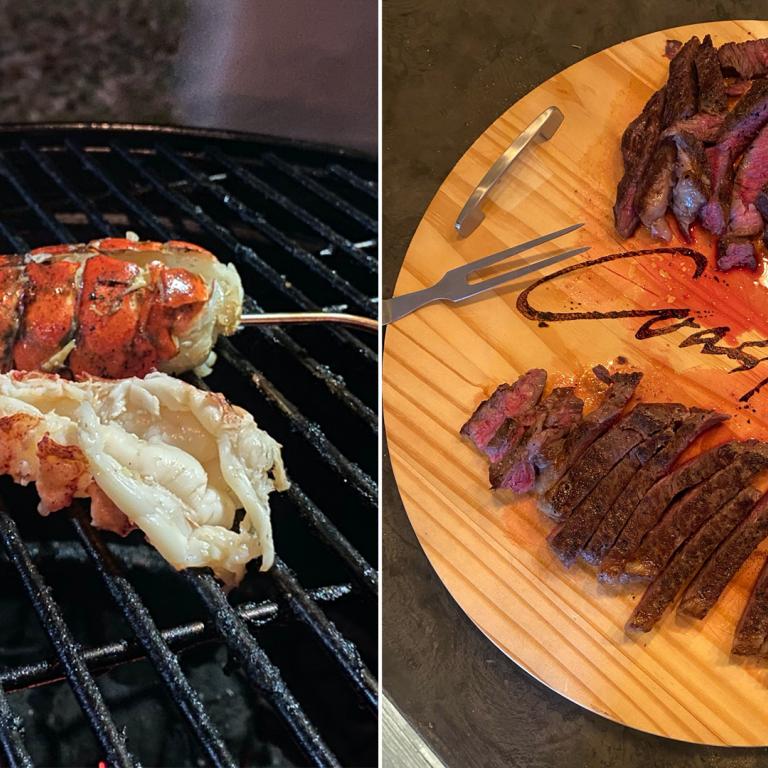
(80, 679)
(362, 571)
(333, 383)
(247, 254)
(369, 187)
(146, 217)
(327, 451)
(259, 669)
(249, 178)
(179, 639)
(59, 230)
(163, 660)
(258, 221)
(342, 650)
(94, 216)
(11, 740)
(322, 192)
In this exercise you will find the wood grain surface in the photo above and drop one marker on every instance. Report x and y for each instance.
(490, 550)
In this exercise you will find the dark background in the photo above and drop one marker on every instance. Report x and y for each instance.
(449, 69)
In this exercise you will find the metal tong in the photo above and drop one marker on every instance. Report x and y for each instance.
(455, 286)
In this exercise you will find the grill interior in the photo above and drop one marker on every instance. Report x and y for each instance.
(107, 655)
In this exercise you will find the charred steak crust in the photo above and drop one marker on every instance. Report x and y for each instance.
(682, 90)
(703, 592)
(672, 445)
(643, 421)
(688, 559)
(745, 120)
(712, 96)
(569, 539)
(702, 126)
(651, 508)
(559, 456)
(752, 629)
(684, 519)
(655, 190)
(638, 143)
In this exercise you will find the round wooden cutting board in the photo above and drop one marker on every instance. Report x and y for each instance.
(439, 363)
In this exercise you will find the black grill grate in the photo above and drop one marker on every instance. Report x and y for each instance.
(299, 222)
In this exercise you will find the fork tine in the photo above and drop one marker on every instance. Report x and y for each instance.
(492, 282)
(486, 261)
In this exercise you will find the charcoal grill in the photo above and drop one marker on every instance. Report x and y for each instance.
(108, 656)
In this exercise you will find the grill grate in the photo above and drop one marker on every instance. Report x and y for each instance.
(299, 224)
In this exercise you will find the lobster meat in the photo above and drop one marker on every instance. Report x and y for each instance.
(115, 308)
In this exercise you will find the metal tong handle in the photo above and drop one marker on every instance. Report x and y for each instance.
(545, 126)
(285, 318)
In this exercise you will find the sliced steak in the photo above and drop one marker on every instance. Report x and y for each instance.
(685, 518)
(682, 93)
(642, 422)
(745, 120)
(692, 184)
(752, 629)
(734, 251)
(712, 98)
(704, 591)
(637, 145)
(555, 415)
(740, 127)
(569, 538)
(508, 401)
(673, 445)
(557, 458)
(748, 59)
(703, 126)
(652, 506)
(655, 190)
(752, 176)
(688, 559)
(714, 215)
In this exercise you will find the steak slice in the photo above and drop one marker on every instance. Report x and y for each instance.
(752, 628)
(714, 215)
(688, 559)
(672, 47)
(686, 517)
(652, 506)
(681, 98)
(734, 251)
(556, 459)
(637, 145)
(642, 422)
(712, 98)
(508, 401)
(704, 591)
(554, 417)
(674, 444)
(703, 126)
(745, 120)
(655, 190)
(568, 539)
(752, 176)
(748, 59)
(692, 184)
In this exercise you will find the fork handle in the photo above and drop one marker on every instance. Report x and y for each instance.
(400, 306)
